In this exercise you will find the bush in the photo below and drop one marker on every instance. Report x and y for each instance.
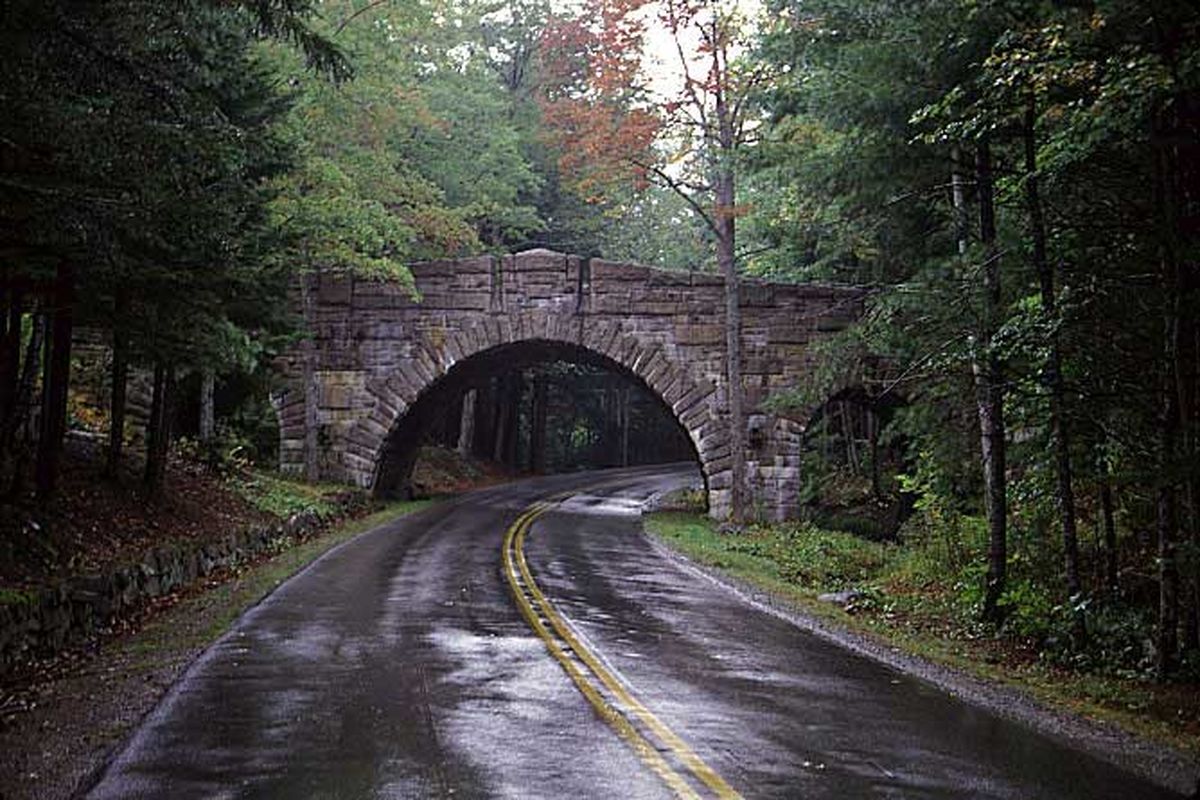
(814, 558)
(283, 498)
(227, 453)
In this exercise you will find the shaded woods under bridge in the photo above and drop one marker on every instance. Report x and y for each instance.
(381, 367)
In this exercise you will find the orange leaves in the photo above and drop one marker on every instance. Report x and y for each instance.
(732, 212)
(592, 105)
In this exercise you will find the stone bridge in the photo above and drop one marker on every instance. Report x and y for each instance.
(382, 365)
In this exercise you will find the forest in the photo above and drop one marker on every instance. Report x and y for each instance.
(1015, 184)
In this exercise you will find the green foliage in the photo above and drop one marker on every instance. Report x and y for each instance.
(417, 157)
(814, 558)
(15, 597)
(281, 497)
(140, 137)
(651, 226)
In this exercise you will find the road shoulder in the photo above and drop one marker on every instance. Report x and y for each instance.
(82, 710)
(1162, 764)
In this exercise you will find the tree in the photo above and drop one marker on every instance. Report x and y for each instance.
(139, 136)
(608, 132)
(1080, 121)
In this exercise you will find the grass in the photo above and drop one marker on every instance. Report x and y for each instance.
(910, 601)
(281, 497)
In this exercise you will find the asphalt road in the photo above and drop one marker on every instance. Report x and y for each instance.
(418, 661)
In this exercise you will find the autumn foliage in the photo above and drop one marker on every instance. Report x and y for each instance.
(595, 109)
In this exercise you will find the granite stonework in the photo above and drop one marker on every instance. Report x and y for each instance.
(377, 349)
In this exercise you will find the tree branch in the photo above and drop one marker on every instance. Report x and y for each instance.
(674, 186)
(369, 6)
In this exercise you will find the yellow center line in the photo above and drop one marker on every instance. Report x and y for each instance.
(514, 550)
(646, 751)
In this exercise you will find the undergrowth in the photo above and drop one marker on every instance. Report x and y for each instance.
(924, 594)
(281, 497)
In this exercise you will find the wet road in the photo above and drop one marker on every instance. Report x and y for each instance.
(403, 665)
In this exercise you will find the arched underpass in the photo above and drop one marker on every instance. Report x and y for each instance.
(504, 392)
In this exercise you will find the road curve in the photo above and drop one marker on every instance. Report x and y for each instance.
(408, 663)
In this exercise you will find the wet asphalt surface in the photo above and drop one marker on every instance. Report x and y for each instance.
(397, 666)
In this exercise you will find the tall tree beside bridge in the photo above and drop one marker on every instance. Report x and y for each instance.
(1088, 116)
(611, 126)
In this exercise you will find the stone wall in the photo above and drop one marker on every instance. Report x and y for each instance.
(74, 611)
(378, 350)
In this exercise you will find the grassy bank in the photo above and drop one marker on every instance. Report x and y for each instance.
(909, 596)
(280, 496)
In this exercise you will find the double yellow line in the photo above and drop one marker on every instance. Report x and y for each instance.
(593, 679)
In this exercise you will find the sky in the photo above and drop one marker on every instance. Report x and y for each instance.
(662, 64)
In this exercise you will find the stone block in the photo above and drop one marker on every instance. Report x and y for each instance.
(335, 289)
(700, 334)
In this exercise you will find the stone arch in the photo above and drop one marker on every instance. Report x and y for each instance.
(430, 355)
(899, 505)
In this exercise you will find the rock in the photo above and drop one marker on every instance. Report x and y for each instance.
(842, 598)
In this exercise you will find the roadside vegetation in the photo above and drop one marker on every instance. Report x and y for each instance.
(922, 593)
(277, 495)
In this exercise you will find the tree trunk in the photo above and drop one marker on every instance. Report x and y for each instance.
(512, 449)
(1052, 374)
(725, 213)
(1171, 282)
(1111, 562)
(625, 426)
(850, 431)
(1191, 606)
(611, 436)
(10, 352)
(10, 378)
(508, 409)
(56, 381)
(1187, 376)
(1168, 495)
(537, 430)
(501, 422)
(22, 404)
(958, 197)
(120, 380)
(989, 384)
(485, 401)
(208, 422)
(733, 345)
(1168, 584)
(159, 443)
(1191, 528)
(466, 425)
(873, 442)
